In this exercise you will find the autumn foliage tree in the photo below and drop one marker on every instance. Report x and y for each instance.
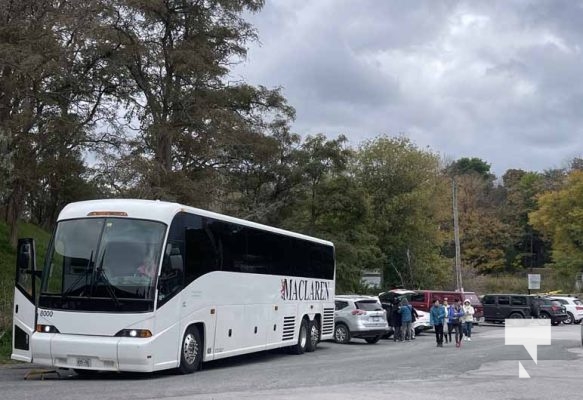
(560, 218)
(192, 121)
(135, 98)
(403, 186)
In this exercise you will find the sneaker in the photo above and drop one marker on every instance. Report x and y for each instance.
(469, 339)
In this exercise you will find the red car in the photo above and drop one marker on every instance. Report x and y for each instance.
(423, 299)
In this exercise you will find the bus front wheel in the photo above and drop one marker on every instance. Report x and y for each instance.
(300, 347)
(191, 351)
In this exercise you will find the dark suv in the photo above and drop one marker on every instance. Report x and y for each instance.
(498, 307)
(554, 310)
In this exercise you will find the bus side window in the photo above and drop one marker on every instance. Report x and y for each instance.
(233, 240)
(202, 252)
(172, 274)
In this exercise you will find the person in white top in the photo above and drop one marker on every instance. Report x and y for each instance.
(468, 319)
(445, 306)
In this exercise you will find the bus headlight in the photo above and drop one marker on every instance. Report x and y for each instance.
(46, 329)
(139, 333)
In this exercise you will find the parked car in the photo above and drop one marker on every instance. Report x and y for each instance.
(423, 299)
(574, 308)
(498, 307)
(554, 310)
(422, 322)
(360, 317)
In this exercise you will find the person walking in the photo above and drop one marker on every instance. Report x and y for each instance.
(414, 317)
(436, 319)
(468, 320)
(406, 311)
(445, 306)
(454, 322)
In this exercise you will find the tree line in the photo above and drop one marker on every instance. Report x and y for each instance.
(134, 98)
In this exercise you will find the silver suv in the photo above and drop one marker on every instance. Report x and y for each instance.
(359, 317)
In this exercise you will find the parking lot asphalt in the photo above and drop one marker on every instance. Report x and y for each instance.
(485, 368)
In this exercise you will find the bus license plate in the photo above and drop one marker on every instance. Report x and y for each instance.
(84, 362)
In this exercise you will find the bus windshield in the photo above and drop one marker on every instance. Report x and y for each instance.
(103, 264)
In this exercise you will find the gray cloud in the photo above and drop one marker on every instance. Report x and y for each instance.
(498, 80)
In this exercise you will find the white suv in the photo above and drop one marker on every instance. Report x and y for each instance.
(574, 308)
(422, 323)
(359, 317)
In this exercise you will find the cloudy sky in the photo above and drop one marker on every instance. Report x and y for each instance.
(499, 80)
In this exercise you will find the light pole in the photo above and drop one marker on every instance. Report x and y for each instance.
(456, 233)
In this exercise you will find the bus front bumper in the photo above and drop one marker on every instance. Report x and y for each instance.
(103, 353)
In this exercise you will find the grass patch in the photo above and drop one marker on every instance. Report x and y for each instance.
(5, 346)
(7, 273)
(551, 281)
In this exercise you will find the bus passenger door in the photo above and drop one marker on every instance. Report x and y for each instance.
(24, 313)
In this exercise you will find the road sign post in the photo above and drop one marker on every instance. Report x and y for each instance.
(533, 282)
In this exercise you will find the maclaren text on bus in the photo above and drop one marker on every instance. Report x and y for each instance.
(303, 289)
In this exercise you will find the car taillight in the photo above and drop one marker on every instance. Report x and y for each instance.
(579, 308)
(358, 312)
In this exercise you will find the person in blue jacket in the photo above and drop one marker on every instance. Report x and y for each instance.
(436, 318)
(456, 312)
(406, 311)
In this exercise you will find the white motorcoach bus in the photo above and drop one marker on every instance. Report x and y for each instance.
(137, 285)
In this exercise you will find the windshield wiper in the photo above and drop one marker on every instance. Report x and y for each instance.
(108, 286)
(84, 275)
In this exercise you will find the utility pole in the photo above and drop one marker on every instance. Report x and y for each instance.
(456, 233)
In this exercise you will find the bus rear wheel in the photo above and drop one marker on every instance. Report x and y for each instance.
(314, 338)
(191, 351)
(300, 347)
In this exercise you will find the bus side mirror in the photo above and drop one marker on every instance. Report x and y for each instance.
(25, 257)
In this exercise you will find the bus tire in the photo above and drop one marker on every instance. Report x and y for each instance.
(190, 351)
(302, 343)
(313, 336)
